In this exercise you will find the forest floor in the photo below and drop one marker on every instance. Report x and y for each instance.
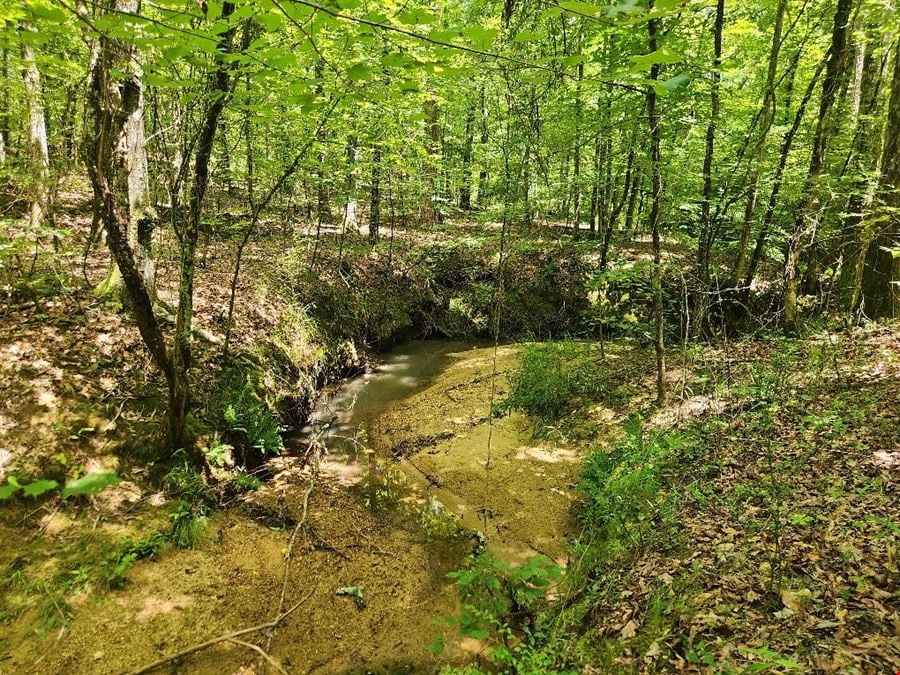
(783, 556)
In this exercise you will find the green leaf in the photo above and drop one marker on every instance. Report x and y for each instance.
(358, 72)
(581, 8)
(12, 487)
(573, 60)
(528, 36)
(677, 82)
(270, 21)
(89, 484)
(48, 12)
(660, 56)
(481, 37)
(39, 487)
(416, 17)
(394, 60)
(437, 645)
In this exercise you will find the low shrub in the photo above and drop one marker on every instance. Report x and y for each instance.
(502, 605)
(246, 420)
(552, 380)
(195, 502)
(627, 505)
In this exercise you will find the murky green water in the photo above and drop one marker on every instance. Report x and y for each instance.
(415, 441)
(343, 421)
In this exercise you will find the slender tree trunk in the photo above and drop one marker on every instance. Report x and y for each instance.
(38, 153)
(141, 217)
(595, 187)
(428, 212)
(617, 210)
(375, 197)
(786, 143)
(636, 182)
(465, 190)
(110, 104)
(881, 275)
(653, 116)
(482, 172)
(576, 158)
(4, 105)
(565, 194)
(220, 87)
(808, 214)
(865, 151)
(704, 246)
(323, 212)
(350, 205)
(766, 113)
(528, 213)
(606, 193)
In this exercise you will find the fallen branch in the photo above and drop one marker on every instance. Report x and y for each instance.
(201, 333)
(257, 648)
(228, 637)
(290, 550)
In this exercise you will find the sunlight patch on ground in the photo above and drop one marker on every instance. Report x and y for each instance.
(550, 455)
(155, 606)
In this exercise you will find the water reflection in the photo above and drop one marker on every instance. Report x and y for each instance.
(342, 424)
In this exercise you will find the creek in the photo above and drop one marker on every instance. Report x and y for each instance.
(414, 440)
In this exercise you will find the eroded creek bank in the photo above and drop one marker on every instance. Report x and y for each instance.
(414, 467)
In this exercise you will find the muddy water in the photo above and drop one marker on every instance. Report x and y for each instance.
(414, 439)
(343, 420)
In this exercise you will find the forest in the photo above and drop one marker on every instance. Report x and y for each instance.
(475, 336)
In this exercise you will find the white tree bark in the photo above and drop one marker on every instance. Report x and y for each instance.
(38, 153)
(140, 212)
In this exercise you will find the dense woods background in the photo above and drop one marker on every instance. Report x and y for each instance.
(765, 137)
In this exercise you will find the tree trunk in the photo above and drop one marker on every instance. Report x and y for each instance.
(465, 190)
(864, 153)
(881, 275)
(4, 105)
(38, 154)
(766, 113)
(429, 213)
(141, 218)
(786, 143)
(220, 86)
(110, 104)
(636, 182)
(350, 204)
(323, 212)
(704, 245)
(595, 187)
(482, 172)
(576, 159)
(653, 116)
(375, 198)
(808, 213)
(617, 210)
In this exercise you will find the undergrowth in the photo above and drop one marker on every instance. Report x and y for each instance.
(628, 507)
(195, 501)
(553, 380)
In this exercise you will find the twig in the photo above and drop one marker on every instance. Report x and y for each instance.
(216, 640)
(257, 648)
(290, 550)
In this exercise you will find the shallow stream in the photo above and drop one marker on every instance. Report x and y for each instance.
(414, 439)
